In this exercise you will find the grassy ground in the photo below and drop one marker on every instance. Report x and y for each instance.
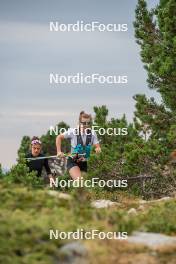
(27, 215)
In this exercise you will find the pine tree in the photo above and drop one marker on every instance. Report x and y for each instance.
(151, 119)
(155, 31)
(24, 146)
(1, 172)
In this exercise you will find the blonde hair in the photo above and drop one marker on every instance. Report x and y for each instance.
(85, 115)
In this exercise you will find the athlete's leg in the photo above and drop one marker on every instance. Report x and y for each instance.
(75, 173)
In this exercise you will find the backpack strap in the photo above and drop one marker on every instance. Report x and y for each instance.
(79, 140)
(88, 139)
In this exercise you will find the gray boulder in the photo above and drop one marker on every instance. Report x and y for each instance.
(74, 253)
(151, 239)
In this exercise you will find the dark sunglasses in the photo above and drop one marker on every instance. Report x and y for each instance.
(85, 123)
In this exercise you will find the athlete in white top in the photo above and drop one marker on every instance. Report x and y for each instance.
(87, 137)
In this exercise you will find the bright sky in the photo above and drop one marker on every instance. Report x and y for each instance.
(30, 52)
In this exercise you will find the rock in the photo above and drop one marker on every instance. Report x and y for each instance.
(64, 196)
(142, 201)
(151, 239)
(74, 253)
(155, 201)
(57, 166)
(104, 204)
(59, 195)
(160, 200)
(132, 211)
(141, 208)
(163, 199)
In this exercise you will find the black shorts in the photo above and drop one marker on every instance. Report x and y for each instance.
(72, 163)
